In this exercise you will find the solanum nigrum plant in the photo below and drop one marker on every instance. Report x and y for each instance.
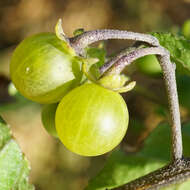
(91, 117)
(48, 71)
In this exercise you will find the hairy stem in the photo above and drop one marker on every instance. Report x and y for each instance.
(113, 60)
(170, 82)
(173, 172)
(177, 171)
(83, 40)
(128, 58)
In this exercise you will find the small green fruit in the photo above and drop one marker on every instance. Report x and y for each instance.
(91, 120)
(48, 118)
(149, 65)
(44, 68)
(186, 29)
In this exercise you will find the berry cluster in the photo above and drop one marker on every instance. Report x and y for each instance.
(86, 115)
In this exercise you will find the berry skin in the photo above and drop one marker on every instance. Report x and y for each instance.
(149, 65)
(48, 118)
(43, 68)
(186, 29)
(91, 120)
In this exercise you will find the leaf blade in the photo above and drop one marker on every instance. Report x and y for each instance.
(179, 49)
(14, 168)
(121, 168)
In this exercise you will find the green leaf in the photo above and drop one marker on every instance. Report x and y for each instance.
(78, 31)
(14, 168)
(179, 48)
(121, 168)
(183, 89)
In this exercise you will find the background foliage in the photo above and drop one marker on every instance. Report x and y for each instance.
(53, 167)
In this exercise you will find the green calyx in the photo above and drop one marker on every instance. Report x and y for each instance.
(59, 31)
(61, 36)
(114, 82)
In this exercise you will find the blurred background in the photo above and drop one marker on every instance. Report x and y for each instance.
(54, 167)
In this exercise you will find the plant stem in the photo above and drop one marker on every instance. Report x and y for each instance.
(170, 82)
(177, 171)
(113, 60)
(119, 63)
(81, 41)
(127, 59)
